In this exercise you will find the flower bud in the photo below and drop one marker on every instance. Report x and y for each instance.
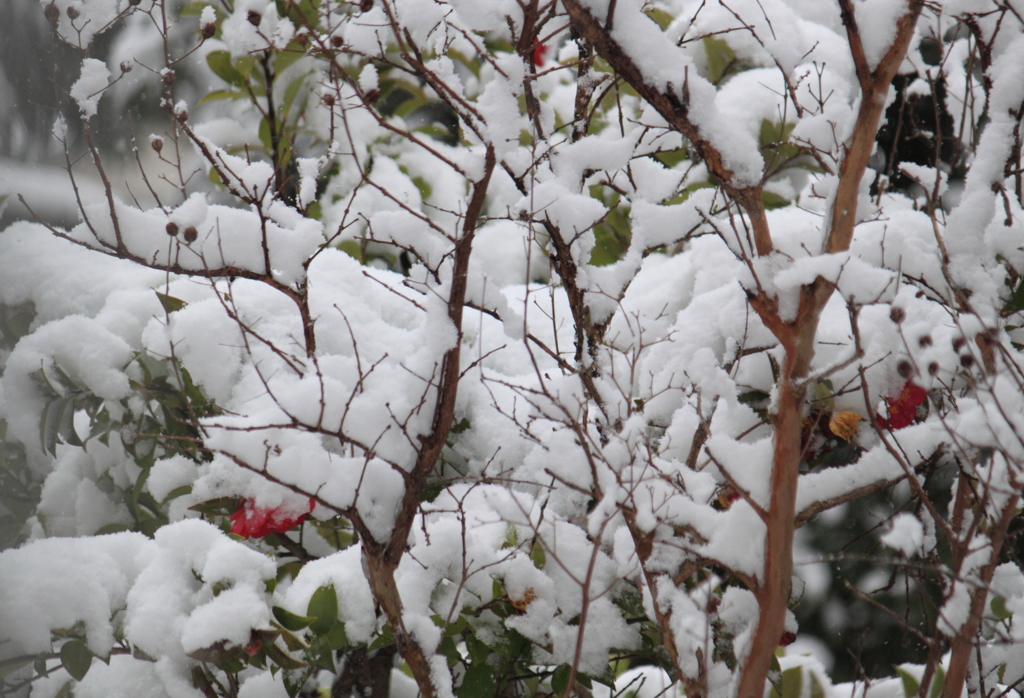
(924, 340)
(156, 143)
(208, 30)
(905, 369)
(254, 18)
(897, 314)
(172, 229)
(191, 234)
(365, 5)
(73, 12)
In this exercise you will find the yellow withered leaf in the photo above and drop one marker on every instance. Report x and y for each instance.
(844, 424)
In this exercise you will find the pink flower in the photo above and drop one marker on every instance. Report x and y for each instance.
(903, 409)
(251, 521)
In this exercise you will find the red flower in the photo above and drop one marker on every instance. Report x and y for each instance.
(539, 52)
(251, 521)
(903, 409)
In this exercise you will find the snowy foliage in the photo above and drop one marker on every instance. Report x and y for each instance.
(510, 343)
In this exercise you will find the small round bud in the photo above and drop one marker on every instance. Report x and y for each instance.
(156, 143)
(172, 229)
(73, 12)
(905, 369)
(181, 114)
(933, 368)
(169, 77)
(924, 340)
(337, 41)
(52, 14)
(365, 5)
(208, 30)
(328, 100)
(254, 18)
(966, 360)
(126, 67)
(302, 39)
(958, 344)
(134, 3)
(191, 234)
(897, 314)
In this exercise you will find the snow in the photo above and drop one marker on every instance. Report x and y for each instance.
(90, 85)
(906, 535)
(540, 459)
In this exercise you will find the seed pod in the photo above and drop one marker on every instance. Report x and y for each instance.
(126, 67)
(191, 234)
(208, 30)
(365, 5)
(933, 368)
(966, 360)
(52, 14)
(924, 340)
(337, 41)
(897, 314)
(254, 18)
(73, 12)
(156, 143)
(328, 100)
(134, 3)
(172, 229)
(905, 368)
(302, 39)
(958, 344)
(181, 114)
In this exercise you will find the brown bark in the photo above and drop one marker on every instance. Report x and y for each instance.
(797, 337)
(383, 557)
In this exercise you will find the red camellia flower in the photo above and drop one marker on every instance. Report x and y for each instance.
(251, 521)
(539, 52)
(903, 409)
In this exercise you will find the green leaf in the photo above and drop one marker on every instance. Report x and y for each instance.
(385, 639)
(336, 636)
(76, 658)
(659, 17)
(219, 506)
(111, 528)
(817, 690)
(462, 426)
(6, 669)
(477, 683)
(287, 57)
(280, 658)
(170, 303)
(560, 679)
(66, 691)
(773, 200)
(220, 94)
(291, 621)
(323, 607)
(938, 681)
(1016, 301)
(537, 555)
(911, 686)
(775, 677)
(720, 59)
(792, 682)
(999, 609)
(220, 64)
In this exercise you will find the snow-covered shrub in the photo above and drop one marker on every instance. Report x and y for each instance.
(506, 345)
